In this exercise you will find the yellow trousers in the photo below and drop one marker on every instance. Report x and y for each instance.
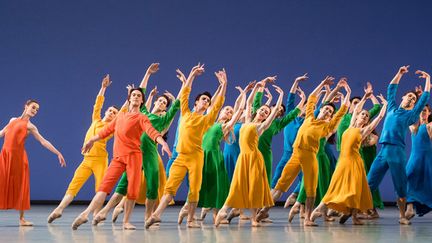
(90, 165)
(307, 162)
(191, 163)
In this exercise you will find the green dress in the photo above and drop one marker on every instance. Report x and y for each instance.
(265, 140)
(215, 183)
(149, 152)
(324, 175)
(368, 154)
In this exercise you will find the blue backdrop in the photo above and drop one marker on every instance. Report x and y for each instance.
(58, 51)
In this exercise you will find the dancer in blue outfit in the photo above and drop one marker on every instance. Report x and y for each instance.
(392, 140)
(419, 167)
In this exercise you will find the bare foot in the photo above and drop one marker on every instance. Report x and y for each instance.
(309, 223)
(97, 219)
(53, 216)
(404, 221)
(151, 221)
(128, 226)
(220, 216)
(182, 214)
(25, 223)
(78, 221)
(116, 213)
(193, 224)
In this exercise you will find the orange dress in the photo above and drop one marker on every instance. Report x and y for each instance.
(14, 168)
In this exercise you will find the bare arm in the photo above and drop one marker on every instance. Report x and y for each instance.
(359, 106)
(327, 81)
(153, 68)
(369, 128)
(249, 102)
(263, 126)
(149, 100)
(34, 131)
(230, 124)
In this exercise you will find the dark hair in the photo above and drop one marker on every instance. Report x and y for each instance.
(203, 93)
(332, 139)
(142, 93)
(115, 107)
(28, 102)
(430, 115)
(167, 99)
(329, 104)
(414, 92)
(283, 108)
(355, 97)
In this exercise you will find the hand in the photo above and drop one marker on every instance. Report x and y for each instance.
(403, 69)
(268, 94)
(129, 88)
(419, 90)
(87, 146)
(250, 86)
(240, 89)
(197, 70)
(342, 82)
(221, 76)
(153, 68)
(278, 89)
(368, 90)
(301, 78)
(328, 81)
(61, 160)
(154, 91)
(180, 75)
(165, 147)
(301, 93)
(170, 96)
(106, 81)
(422, 74)
(383, 100)
(271, 80)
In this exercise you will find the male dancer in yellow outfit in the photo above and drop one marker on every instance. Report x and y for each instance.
(96, 160)
(306, 147)
(190, 154)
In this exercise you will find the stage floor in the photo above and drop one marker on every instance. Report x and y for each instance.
(385, 229)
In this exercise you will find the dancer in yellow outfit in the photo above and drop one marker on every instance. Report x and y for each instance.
(96, 160)
(250, 186)
(191, 157)
(306, 147)
(349, 191)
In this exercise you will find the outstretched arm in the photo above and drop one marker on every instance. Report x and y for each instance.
(369, 128)
(359, 106)
(34, 131)
(153, 68)
(97, 108)
(263, 126)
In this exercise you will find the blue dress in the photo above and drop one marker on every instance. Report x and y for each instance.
(232, 151)
(419, 172)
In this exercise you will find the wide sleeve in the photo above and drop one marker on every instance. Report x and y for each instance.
(97, 108)
(256, 104)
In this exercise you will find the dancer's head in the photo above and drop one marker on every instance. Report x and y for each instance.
(136, 97)
(409, 100)
(425, 115)
(162, 103)
(281, 110)
(31, 108)
(353, 103)
(202, 101)
(262, 113)
(326, 111)
(362, 118)
(226, 113)
(111, 113)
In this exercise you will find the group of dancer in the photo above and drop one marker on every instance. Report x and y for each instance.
(240, 177)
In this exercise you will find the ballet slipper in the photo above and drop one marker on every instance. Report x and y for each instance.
(292, 213)
(262, 214)
(204, 212)
(53, 216)
(224, 221)
(409, 214)
(96, 220)
(220, 216)
(290, 201)
(316, 214)
(25, 223)
(78, 222)
(344, 218)
(116, 213)
(183, 213)
(129, 226)
(232, 214)
(255, 223)
(151, 221)
(404, 221)
(266, 220)
(193, 224)
(309, 223)
(357, 221)
(244, 217)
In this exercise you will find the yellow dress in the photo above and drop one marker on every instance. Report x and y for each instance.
(349, 188)
(249, 187)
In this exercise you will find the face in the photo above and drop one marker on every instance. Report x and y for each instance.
(280, 112)
(226, 113)
(136, 98)
(409, 100)
(161, 103)
(363, 117)
(203, 101)
(326, 112)
(31, 109)
(354, 103)
(262, 113)
(110, 114)
(425, 113)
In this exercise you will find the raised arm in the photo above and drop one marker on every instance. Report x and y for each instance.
(34, 131)
(186, 88)
(335, 91)
(399, 74)
(359, 107)
(369, 128)
(223, 80)
(150, 97)
(153, 68)
(97, 108)
(263, 126)
(423, 98)
(249, 101)
(269, 96)
(343, 109)
(221, 91)
(230, 124)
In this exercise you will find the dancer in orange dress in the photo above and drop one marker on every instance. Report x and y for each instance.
(14, 167)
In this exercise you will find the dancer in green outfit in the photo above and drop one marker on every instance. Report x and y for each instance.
(215, 184)
(160, 119)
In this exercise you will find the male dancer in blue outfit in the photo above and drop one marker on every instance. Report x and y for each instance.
(392, 154)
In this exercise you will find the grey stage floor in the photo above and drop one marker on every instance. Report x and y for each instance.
(385, 229)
